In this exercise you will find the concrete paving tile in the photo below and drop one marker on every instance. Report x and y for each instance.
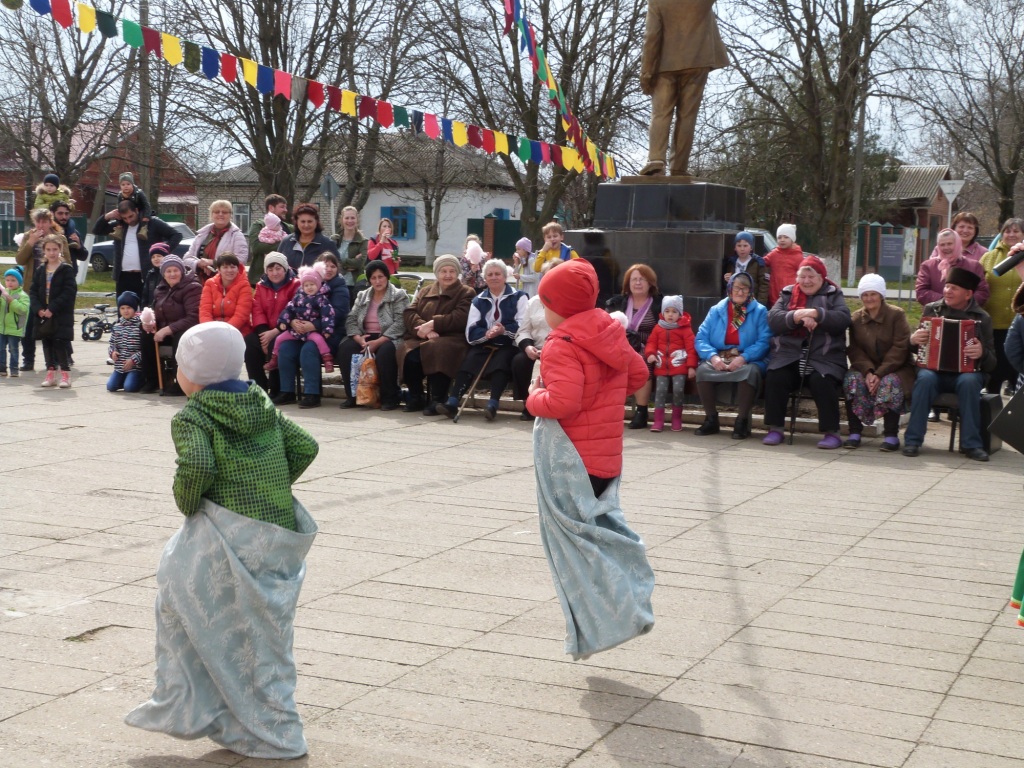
(14, 543)
(895, 585)
(845, 667)
(112, 649)
(483, 717)
(832, 687)
(347, 669)
(855, 649)
(131, 594)
(384, 628)
(325, 693)
(632, 746)
(14, 702)
(909, 607)
(795, 708)
(687, 603)
(778, 571)
(429, 745)
(47, 590)
(859, 559)
(985, 689)
(875, 633)
(443, 598)
(729, 552)
(763, 757)
(343, 542)
(82, 617)
(327, 573)
(778, 540)
(45, 678)
(928, 756)
(992, 714)
(1006, 652)
(972, 737)
(379, 649)
(775, 733)
(733, 589)
(829, 611)
(475, 620)
(1008, 632)
(991, 669)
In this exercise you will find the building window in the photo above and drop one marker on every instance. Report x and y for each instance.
(242, 215)
(404, 219)
(502, 214)
(6, 204)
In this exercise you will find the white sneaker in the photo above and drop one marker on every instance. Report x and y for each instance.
(50, 380)
(65, 380)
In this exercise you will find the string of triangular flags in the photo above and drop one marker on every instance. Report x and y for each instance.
(590, 154)
(267, 80)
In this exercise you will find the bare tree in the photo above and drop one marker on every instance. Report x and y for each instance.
(974, 93)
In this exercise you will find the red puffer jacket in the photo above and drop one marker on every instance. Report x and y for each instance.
(268, 304)
(674, 346)
(588, 369)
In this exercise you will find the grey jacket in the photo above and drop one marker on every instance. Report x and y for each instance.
(828, 342)
(392, 324)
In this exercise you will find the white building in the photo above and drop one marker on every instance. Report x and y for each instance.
(473, 185)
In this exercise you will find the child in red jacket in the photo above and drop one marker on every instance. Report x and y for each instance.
(670, 348)
(587, 368)
(783, 261)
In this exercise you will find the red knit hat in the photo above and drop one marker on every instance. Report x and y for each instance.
(569, 288)
(812, 261)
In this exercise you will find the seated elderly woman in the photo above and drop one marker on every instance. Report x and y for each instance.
(175, 309)
(494, 318)
(732, 344)
(375, 323)
(808, 322)
(435, 336)
(881, 374)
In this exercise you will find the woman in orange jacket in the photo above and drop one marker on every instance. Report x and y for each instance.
(227, 296)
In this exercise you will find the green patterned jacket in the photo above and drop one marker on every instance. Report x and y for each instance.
(238, 450)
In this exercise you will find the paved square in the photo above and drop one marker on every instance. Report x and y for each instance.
(815, 609)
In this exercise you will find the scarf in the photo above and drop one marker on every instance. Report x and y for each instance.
(636, 316)
(737, 314)
(210, 248)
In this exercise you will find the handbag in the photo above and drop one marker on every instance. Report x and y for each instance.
(368, 391)
(45, 328)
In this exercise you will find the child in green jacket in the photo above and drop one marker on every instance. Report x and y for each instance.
(14, 307)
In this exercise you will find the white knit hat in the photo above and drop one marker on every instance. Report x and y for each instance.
(211, 352)
(789, 230)
(275, 257)
(871, 282)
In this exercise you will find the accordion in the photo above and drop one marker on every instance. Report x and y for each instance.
(947, 341)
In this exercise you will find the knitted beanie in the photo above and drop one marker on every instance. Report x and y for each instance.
(275, 257)
(162, 248)
(812, 261)
(15, 273)
(447, 260)
(212, 352)
(524, 244)
(674, 302)
(871, 282)
(789, 230)
(126, 176)
(310, 275)
(570, 288)
(129, 298)
(172, 261)
(745, 237)
(52, 178)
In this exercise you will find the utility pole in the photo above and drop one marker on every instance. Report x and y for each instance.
(144, 138)
(858, 171)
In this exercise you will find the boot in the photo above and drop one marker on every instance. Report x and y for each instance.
(272, 364)
(659, 420)
(51, 378)
(677, 419)
(709, 427)
(328, 363)
(65, 380)
(639, 418)
(741, 429)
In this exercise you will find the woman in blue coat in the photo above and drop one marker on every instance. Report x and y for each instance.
(732, 344)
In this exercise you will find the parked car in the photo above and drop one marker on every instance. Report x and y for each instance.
(102, 255)
(764, 241)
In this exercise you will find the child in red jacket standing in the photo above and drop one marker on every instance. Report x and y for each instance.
(587, 367)
(670, 348)
(783, 261)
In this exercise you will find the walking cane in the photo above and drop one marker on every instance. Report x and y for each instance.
(472, 387)
(159, 365)
(795, 396)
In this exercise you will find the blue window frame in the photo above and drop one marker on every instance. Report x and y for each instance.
(503, 214)
(404, 219)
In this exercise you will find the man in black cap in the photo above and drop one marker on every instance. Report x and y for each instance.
(957, 303)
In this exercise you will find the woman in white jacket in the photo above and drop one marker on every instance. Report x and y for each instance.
(221, 235)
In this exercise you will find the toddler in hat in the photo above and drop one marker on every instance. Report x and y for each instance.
(14, 309)
(670, 348)
(272, 231)
(228, 581)
(51, 191)
(783, 261)
(129, 191)
(587, 369)
(522, 268)
(126, 346)
(313, 304)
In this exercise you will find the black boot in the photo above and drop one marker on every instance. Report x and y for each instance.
(741, 429)
(709, 427)
(639, 418)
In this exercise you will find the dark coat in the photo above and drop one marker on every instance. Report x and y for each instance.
(306, 257)
(178, 307)
(882, 345)
(828, 342)
(449, 310)
(63, 290)
(157, 231)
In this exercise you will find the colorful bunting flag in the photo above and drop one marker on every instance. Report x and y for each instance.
(248, 70)
(488, 141)
(459, 135)
(334, 98)
(211, 63)
(86, 18)
(131, 33)
(298, 89)
(545, 152)
(61, 10)
(264, 79)
(42, 7)
(417, 121)
(535, 153)
(282, 84)
(367, 107)
(107, 23)
(151, 41)
(474, 136)
(430, 126)
(509, 19)
(315, 93)
(524, 150)
(556, 154)
(501, 142)
(569, 158)
(401, 117)
(228, 68)
(348, 103)
(172, 49)
(385, 115)
(192, 56)
(446, 130)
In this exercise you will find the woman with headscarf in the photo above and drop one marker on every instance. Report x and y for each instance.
(808, 322)
(435, 336)
(948, 253)
(881, 375)
(732, 344)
